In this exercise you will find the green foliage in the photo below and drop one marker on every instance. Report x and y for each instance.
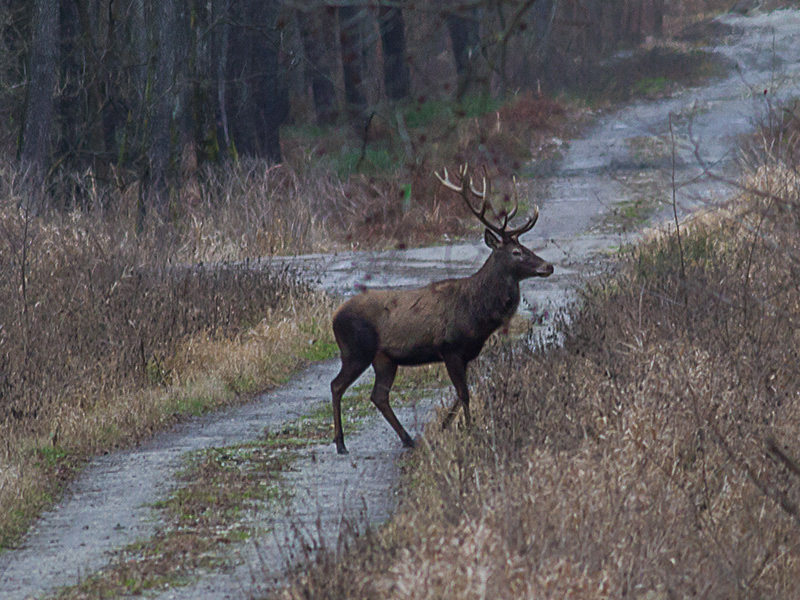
(307, 131)
(422, 114)
(701, 250)
(51, 456)
(321, 345)
(477, 105)
(241, 384)
(438, 112)
(406, 190)
(645, 73)
(156, 372)
(194, 405)
(650, 86)
(373, 161)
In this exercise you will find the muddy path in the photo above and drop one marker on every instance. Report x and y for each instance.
(618, 166)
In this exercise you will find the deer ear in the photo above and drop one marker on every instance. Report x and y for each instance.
(491, 240)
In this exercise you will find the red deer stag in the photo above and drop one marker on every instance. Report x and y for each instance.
(445, 321)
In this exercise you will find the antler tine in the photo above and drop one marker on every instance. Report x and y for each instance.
(466, 187)
(484, 205)
(445, 181)
(485, 193)
(482, 193)
(527, 226)
(514, 210)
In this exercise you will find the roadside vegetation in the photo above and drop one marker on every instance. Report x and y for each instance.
(653, 454)
(104, 340)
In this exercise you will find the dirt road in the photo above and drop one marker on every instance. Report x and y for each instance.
(623, 159)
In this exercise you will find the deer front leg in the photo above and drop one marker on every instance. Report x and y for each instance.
(457, 370)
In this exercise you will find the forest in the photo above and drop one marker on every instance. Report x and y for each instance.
(138, 96)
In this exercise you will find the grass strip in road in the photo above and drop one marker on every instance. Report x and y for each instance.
(223, 494)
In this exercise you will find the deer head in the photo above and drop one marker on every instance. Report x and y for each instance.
(501, 238)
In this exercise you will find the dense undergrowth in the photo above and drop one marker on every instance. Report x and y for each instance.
(652, 455)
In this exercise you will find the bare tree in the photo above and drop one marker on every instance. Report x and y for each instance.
(318, 30)
(352, 45)
(258, 97)
(393, 41)
(168, 16)
(463, 25)
(34, 150)
(220, 27)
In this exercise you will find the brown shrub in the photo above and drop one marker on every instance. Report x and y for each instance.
(85, 312)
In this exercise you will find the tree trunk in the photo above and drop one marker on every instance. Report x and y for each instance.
(34, 149)
(258, 96)
(465, 38)
(317, 30)
(393, 40)
(640, 19)
(220, 16)
(350, 18)
(93, 48)
(164, 99)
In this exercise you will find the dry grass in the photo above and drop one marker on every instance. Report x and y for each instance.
(392, 198)
(105, 338)
(653, 455)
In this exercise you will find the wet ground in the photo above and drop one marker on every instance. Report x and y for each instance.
(620, 165)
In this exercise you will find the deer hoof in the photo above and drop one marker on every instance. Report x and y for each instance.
(340, 449)
(409, 442)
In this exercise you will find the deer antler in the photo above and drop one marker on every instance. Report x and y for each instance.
(464, 190)
(529, 223)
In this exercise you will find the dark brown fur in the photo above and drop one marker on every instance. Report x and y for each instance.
(447, 321)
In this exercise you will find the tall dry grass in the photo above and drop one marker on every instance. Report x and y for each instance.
(107, 335)
(653, 455)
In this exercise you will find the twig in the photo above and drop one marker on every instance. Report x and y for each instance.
(364, 141)
(675, 208)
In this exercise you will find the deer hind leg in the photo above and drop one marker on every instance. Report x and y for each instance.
(385, 371)
(457, 370)
(358, 343)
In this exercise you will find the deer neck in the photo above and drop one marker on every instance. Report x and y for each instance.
(496, 292)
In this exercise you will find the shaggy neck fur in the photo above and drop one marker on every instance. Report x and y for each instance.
(494, 293)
